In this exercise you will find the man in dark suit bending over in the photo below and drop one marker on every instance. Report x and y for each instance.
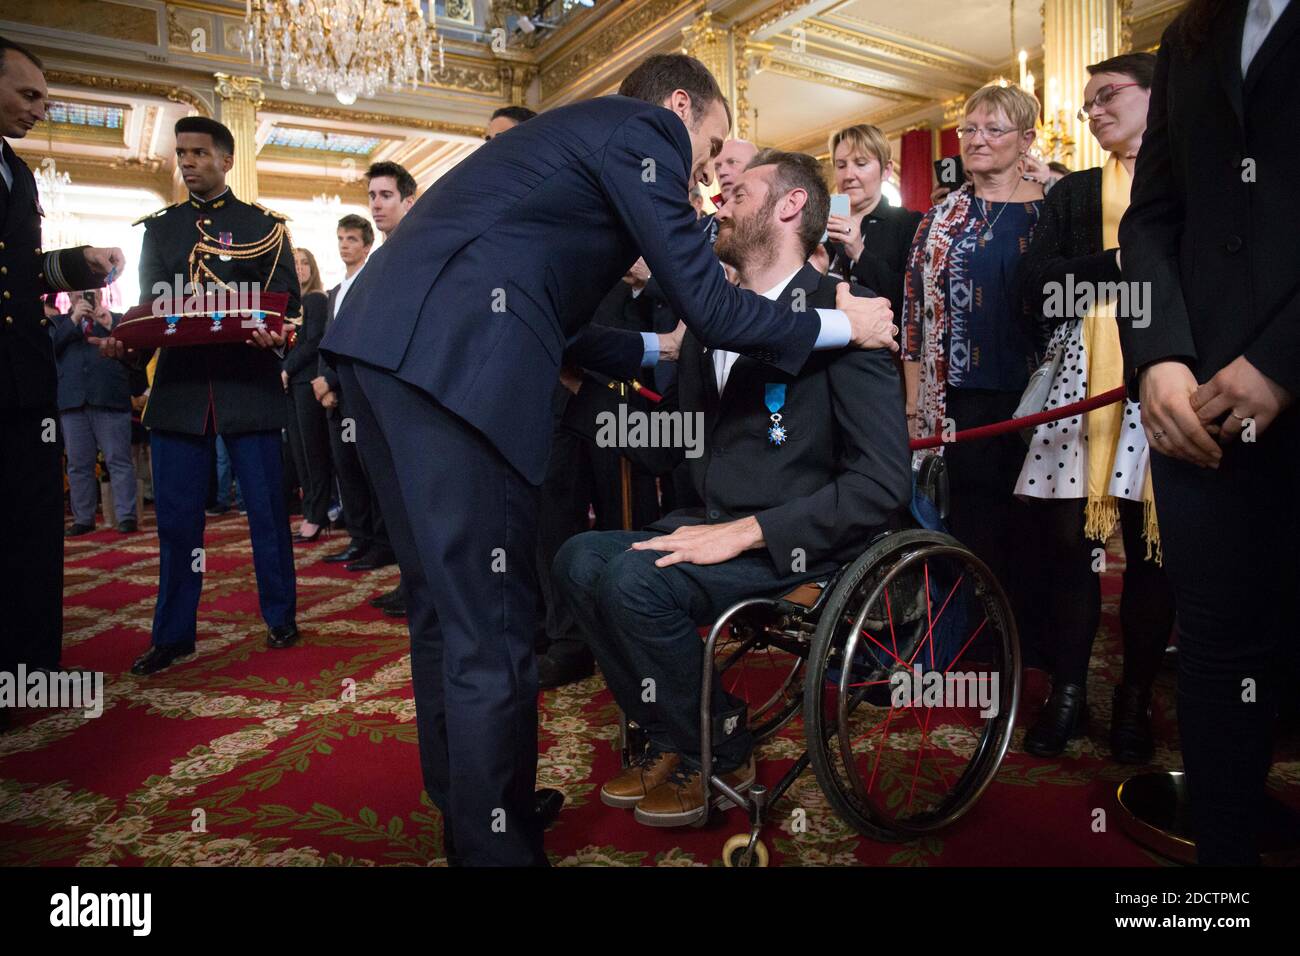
(451, 342)
(796, 472)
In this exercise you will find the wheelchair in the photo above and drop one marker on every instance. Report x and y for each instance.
(884, 660)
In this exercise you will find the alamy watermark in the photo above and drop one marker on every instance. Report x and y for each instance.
(1073, 299)
(638, 429)
(77, 690)
(182, 297)
(951, 689)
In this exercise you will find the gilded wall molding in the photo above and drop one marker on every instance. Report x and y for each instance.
(866, 42)
(640, 19)
(151, 175)
(339, 114)
(766, 18)
(117, 84)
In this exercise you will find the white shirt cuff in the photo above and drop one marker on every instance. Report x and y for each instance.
(651, 356)
(836, 331)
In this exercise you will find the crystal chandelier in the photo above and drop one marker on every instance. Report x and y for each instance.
(350, 47)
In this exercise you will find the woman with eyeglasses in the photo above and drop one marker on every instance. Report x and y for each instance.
(968, 344)
(1083, 474)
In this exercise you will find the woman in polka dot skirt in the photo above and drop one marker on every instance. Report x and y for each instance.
(1086, 472)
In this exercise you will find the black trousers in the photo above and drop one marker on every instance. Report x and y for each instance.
(309, 441)
(579, 475)
(361, 513)
(1231, 538)
(31, 558)
(986, 515)
(463, 524)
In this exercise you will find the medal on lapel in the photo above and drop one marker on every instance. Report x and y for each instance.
(774, 398)
(226, 240)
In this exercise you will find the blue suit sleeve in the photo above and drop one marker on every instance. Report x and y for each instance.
(644, 174)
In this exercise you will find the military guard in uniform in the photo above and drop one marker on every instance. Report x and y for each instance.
(31, 470)
(215, 240)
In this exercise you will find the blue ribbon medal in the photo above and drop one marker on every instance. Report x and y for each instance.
(774, 398)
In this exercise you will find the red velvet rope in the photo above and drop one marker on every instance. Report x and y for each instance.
(1028, 421)
(983, 431)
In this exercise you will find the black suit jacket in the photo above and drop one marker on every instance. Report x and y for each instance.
(503, 260)
(1214, 208)
(28, 378)
(1067, 241)
(844, 471)
(302, 360)
(887, 234)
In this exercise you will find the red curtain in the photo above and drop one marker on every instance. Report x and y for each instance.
(915, 171)
(949, 144)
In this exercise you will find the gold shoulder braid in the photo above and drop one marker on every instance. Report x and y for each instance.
(237, 250)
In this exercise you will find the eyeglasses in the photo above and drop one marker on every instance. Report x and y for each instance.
(989, 133)
(1102, 99)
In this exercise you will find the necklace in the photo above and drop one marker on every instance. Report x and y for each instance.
(988, 230)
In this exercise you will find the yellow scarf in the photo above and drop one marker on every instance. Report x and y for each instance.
(1105, 372)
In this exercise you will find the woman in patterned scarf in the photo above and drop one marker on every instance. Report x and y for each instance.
(1083, 474)
(968, 343)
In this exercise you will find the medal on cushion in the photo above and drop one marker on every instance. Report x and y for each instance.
(774, 398)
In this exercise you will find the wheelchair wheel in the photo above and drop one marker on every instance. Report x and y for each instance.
(733, 852)
(911, 687)
(769, 679)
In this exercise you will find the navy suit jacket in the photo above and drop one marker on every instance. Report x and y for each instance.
(500, 264)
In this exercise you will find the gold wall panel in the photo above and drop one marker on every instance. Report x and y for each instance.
(101, 18)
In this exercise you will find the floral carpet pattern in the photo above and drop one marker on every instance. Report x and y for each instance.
(247, 756)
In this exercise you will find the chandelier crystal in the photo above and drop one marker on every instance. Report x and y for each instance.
(350, 47)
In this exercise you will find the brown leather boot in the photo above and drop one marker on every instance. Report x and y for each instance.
(679, 800)
(644, 774)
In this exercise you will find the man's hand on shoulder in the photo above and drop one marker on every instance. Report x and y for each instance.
(670, 343)
(871, 321)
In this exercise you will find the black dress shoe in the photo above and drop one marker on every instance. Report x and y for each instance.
(158, 657)
(350, 553)
(309, 538)
(396, 609)
(1131, 740)
(372, 561)
(216, 511)
(77, 530)
(278, 638)
(128, 526)
(556, 671)
(1063, 718)
(388, 598)
(547, 804)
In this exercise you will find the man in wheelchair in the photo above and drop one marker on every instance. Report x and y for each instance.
(796, 473)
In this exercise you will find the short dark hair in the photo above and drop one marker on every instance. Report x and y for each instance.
(6, 45)
(655, 78)
(1140, 66)
(520, 114)
(405, 181)
(222, 138)
(361, 224)
(799, 171)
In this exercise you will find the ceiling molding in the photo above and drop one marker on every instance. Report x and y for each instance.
(350, 115)
(125, 86)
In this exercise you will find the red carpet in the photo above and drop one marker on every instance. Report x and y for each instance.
(249, 756)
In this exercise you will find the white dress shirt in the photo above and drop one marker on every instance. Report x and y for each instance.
(343, 290)
(1261, 16)
(722, 359)
(5, 172)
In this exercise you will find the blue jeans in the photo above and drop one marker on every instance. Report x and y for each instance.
(226, 478)
(86, 430)
(642, 624)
